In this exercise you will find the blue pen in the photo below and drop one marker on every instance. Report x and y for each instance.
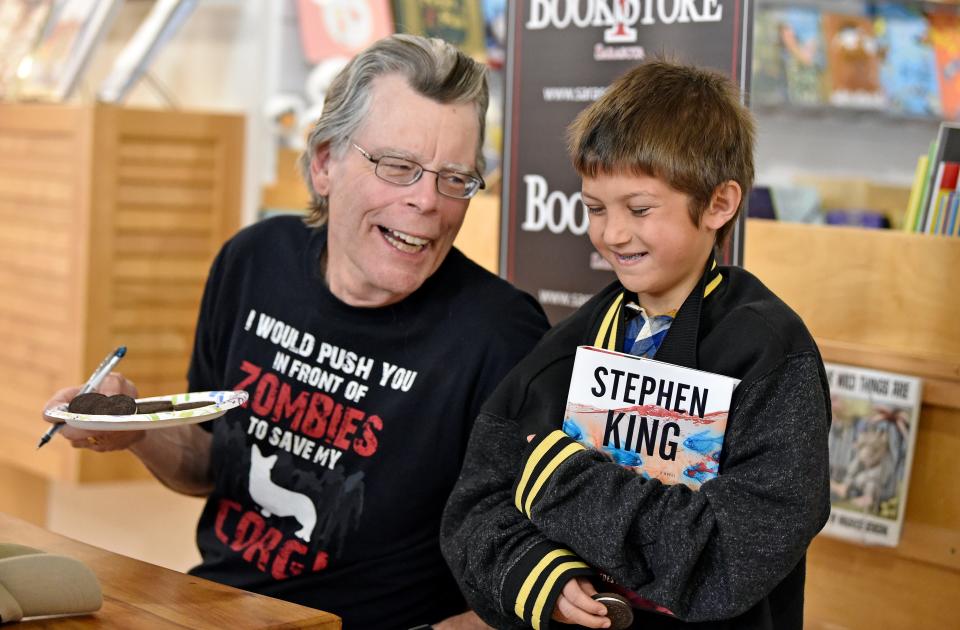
(92, 383)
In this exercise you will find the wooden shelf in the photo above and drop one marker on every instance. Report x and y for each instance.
(109, 219)
(886, 300)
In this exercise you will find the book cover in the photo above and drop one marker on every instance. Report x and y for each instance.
(871, 441)
(802, 40)
(916, 193)
(950, 214)
(921, 217)
(945, 36)
(853, 61)
(768, 85)
(909, 69)
(459, 22)
(945, 181)
(662, 421)
(341, 28)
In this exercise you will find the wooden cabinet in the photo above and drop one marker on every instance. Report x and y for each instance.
(109, 220)
(886, 300)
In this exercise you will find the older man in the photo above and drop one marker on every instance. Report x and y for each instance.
(366, 343)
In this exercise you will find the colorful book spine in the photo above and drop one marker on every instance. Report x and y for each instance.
(947, 175)
(916, 190)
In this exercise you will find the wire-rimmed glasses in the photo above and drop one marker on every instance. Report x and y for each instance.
(404, 172)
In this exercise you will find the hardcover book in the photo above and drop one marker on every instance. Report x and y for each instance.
(853, 61)
(769, 82)
(945, 36)
(802, 40)
(872, 439)
(459, 22)
(909, 69)
(662, 421)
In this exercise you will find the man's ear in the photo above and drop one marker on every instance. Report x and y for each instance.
(723, 205)
(320, 170)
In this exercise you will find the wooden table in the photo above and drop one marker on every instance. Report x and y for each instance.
(141, 596)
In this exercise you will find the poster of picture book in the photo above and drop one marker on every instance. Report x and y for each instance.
(872, 440)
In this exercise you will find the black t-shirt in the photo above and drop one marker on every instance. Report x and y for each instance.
(330, 482)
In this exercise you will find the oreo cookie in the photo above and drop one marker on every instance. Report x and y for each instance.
(96, 404)
(619, 611)
(192, 405)
(154, 406)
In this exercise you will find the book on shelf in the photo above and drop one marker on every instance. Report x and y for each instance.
(341, 28)
(945, 37)
(768, 84)
(908, 72)
(853, 61)
(871, 443)
(944, 183)
(942, 177)
(459, 22)
(662, 421)
(802, 39)
(916, 193)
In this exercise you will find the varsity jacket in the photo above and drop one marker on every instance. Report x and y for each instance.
(524, 518)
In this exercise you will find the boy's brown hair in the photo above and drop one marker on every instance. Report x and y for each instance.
(679, 123)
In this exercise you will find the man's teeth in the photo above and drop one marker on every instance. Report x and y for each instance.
(404, 242)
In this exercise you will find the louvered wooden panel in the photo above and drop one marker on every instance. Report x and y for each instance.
(44, 205)
(109, 219)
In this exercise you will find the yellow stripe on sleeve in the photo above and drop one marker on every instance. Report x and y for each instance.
(548, 586)
(528, 583)
(605, 326)
(558, 459)
(542, 448)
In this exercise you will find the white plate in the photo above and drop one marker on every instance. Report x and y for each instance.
(220, 403)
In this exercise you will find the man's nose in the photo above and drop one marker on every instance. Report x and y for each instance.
(423, 193)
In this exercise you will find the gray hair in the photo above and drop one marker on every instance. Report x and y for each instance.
(432, 67)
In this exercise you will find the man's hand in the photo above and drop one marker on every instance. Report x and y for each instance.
(575, 605)
(466, 621)
(100, 441)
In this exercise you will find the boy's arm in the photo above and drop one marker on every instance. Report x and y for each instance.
(509, 572)
(710, 554)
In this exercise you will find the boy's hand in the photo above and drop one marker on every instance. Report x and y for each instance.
(575, 605)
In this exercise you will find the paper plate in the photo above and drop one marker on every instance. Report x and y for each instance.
(220, 403)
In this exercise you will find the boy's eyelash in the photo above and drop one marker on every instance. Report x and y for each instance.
(594, 209)
(640, 211)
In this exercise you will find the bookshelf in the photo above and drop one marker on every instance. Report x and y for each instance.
(109, 219)
(887, 300)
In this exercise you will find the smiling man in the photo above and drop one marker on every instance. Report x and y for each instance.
(367, 343)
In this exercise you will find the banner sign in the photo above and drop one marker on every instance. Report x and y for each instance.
(561, 56)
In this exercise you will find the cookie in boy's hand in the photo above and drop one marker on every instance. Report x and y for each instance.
(619, 610)
(97, 404)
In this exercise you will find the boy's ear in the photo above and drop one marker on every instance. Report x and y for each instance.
(723, 206)
(320, 170)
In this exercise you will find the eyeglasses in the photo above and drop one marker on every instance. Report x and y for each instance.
(404, 172)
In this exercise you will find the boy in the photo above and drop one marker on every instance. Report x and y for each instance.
(666, 157)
